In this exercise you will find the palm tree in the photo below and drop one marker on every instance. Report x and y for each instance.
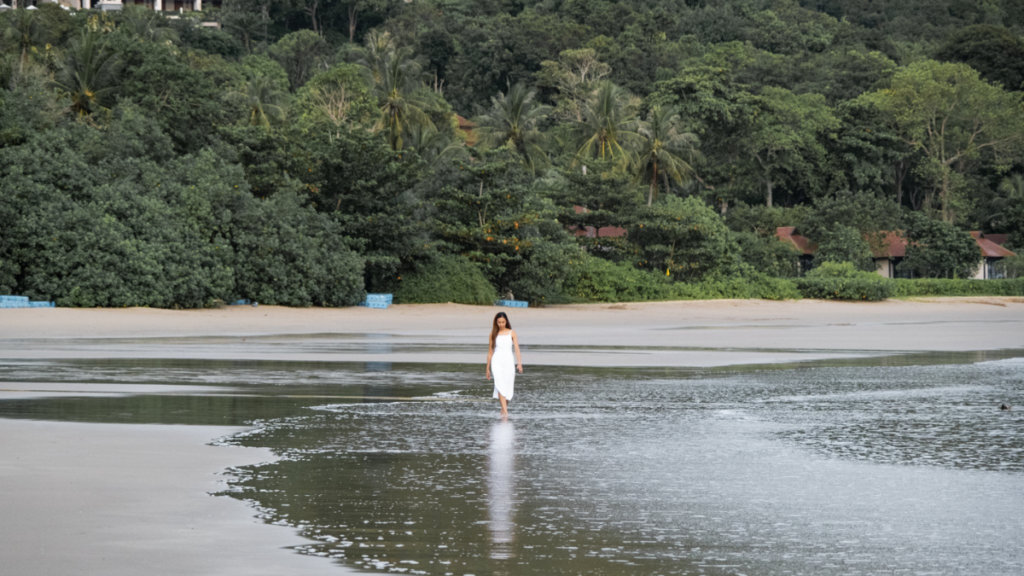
(665, 151)
(89, 73)
(609, 125)
(379, 47)
(395, 77)
(25, 29)
(430, 144)
(263, 101)
(514, 120)
(400, 108)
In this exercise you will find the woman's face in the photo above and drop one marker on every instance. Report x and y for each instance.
(501, 323)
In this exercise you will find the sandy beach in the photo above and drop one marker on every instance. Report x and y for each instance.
(110, 499)
(133, 499)
(675, 334)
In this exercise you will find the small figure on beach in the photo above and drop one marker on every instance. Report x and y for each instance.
(501, 362)
(1004, 406)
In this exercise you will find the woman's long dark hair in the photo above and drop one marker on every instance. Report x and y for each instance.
(494, 328)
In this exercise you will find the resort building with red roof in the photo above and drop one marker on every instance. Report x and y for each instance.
(889, 248)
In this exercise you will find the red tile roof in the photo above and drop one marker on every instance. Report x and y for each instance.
(591, 232)
(997, 238)
(892, 244)
(888, 244)
(990, 249)
(785, 233)
(467, 126)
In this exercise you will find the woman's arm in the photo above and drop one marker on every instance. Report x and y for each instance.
(519, 357)
(490, 353)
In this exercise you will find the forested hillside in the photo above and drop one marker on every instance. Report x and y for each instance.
(307, 151)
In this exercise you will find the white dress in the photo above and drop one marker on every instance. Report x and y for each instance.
(503, 366)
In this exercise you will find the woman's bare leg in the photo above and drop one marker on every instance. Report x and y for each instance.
(504, 404)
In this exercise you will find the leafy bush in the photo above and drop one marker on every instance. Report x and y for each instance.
(768, 255)
(598, 280)
(757, 286)
(938, 249)
(842, 243)
(602, 281)
(684, 237)
(903, 288)
(288, 254)
(95, 218)
(446, 278)
(842, 281)
(544, 271)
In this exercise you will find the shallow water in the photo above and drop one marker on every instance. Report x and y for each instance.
(878, 467)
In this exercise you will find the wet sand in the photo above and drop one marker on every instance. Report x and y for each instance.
(123, 499)
(132, 499)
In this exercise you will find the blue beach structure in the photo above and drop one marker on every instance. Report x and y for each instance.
(8, 301)
(378, 301)
(513, 303)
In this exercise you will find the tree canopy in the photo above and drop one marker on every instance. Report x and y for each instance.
(305, 152)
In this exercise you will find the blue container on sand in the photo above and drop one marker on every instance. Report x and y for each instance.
(513, 303)
(8, 301)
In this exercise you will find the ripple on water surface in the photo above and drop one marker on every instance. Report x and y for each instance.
(899, 469)
(853, 470)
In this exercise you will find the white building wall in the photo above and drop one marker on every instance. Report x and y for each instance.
(884, 267)
(981, 272)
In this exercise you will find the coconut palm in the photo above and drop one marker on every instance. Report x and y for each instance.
(514, 120)
(394, 77)
(664, 151)
(609, 125)
(89, 73)
(400, 107)
(378, 48)
(263, 101)
(430, 144)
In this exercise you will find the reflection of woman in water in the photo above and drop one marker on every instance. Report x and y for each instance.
(500, 361)
(501, 464)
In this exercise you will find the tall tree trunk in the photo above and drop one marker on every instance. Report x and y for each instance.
(768, 191)
(480, 212)
(653, 186)
(944, 197)
(900, 174)
(265, 12)
(352, 21)
(311, 10)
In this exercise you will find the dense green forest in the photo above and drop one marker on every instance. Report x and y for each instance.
(303, 152)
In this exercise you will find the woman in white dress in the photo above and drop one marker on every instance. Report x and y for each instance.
(500, 361)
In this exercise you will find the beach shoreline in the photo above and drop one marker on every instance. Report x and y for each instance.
(130, 499)
(753, 330)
